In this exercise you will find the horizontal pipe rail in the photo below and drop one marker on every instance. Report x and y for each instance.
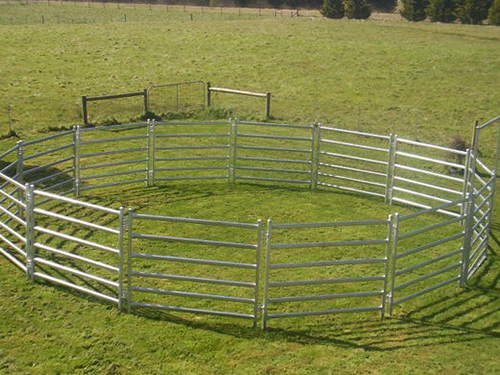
(358, 180)
(276, 160)
(326, 263)
(434, 147)
(76, 202)
(325, 281)
(335, 166)
(351, 157)
(355, 132)
(324, 297)
(170, 148)
(76, 257)
(105, 165)
(280, 137)
(114, 152)
(352, 189)
(330, 224)
(354, 145)
(327, 244)
(193, 135)
(424, 158)
(423, 184)
(76, 287)
(139, 180)
(430, 227)
(427, 262)
(50, 137)
(48, 165)
(76, 240)
(55, 175)
(177, 293)
(195, 221)
(192, 310)
(275, 125)
(111, 140)
(75, 272)
(429, 245)
(193, 260)
(193, 279)
(280, 170)
(196, 241)
(250, 178)
(323, 312)
(13, 259)
(76, 221)
(120, 173)
(429, 173)
(13, 245)
(279, 149)
(26, 158)
(424, 291)
(426, 277)
(197, 158)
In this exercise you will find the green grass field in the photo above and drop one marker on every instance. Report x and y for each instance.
(422, 81)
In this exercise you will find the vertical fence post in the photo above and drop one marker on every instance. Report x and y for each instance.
(85, 113)
(129, 259)
(315, 155)
(209, 95)
(121, 236)
(268, 105)
(20, 174)
(467, 239)
(465, 186)
(235, 149)
(266, 277)
(389, 168)
(393, 170)
(230, 151)
(394, 254)
(146, 101)
(76, 160)
(313, 158)
(386, 266)
(148, 154)
(257, 275)
(153, 152)
(30, 231)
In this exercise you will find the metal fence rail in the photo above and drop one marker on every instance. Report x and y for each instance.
(378, 283)
(210, 264)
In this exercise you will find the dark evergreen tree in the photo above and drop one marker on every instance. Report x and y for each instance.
(494, 13)
(387, 6)
(473, 12)
(414, 10)
(442, 10)
(332, 8)
(357, 9)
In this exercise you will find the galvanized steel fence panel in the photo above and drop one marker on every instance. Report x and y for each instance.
(168, 268)
(190, 150)
(12, 221)
(425, 175)
(354, 161)
(293, 287)
(410, 276)
(266, 152)
(67, 247)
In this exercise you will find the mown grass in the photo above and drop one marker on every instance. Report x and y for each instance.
(318, 70)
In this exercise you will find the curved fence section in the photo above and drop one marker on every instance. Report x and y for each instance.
(307, 268)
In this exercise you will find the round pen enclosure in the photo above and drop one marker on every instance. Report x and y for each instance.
(366, 256)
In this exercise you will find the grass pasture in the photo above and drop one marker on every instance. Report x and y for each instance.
(423, 81)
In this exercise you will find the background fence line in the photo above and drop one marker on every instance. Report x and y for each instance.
(455, 198)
